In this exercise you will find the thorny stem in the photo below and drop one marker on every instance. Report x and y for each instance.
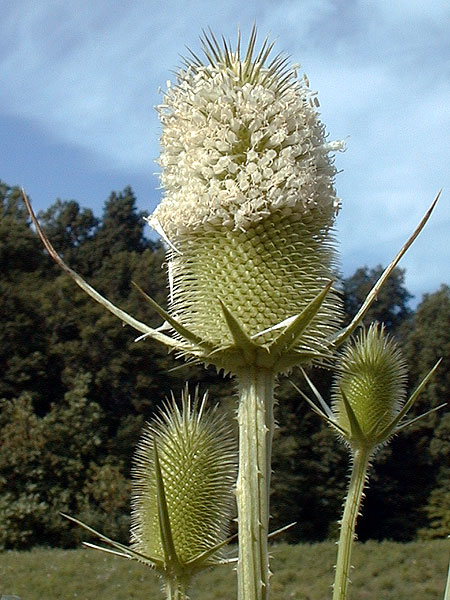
(361, 460)
(176, 589)
(256, 424)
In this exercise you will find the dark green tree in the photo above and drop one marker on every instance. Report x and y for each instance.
(429, 340)
(57, 463)
(309, 464)
(122, 227)
(71, 230)
(23, 336)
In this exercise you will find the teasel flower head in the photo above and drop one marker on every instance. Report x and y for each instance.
(248, 207)
(182, 488)
(368, 404)
(370, 388)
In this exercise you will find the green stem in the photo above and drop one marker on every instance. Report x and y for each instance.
(361, 459)
(256, 424)
(447, 587)
(176, 589)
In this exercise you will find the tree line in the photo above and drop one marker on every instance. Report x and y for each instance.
(75, 390)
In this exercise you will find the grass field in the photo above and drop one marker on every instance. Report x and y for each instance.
(383, 571)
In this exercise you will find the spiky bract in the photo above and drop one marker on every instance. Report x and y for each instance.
(249, 202)
(263, 276)
(372, 382)
(197, 457)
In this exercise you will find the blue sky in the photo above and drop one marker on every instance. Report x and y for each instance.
(79, 82)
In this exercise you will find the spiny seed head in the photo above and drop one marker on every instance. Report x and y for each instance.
(197, 456)
(372, 379)
(249, 203)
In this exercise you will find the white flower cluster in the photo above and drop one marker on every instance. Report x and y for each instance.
(235, 151)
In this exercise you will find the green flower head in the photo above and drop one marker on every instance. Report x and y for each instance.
(369, 405)
(182, 494)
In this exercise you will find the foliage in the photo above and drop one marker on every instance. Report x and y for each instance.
(437, 508)
(309, 465)
(55, 340)
(47, 465)
(429, 340)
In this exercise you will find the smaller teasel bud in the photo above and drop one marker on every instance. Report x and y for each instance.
(182, 489)
(183, 482)
(370, 389)
(368, 405)
(368, 408)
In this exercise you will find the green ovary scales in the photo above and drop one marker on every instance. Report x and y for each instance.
(263, 275)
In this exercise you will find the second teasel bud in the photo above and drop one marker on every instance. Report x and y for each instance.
(370, 389)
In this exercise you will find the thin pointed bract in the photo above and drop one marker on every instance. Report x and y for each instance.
(396, 424)
(179, 328)
(241, 338)
(106, 550)
(419, 418)
(170, 554)
(122, 315)
(317, 394)
(345, 333)
(356, 433)
(129, 552)
(293, 332)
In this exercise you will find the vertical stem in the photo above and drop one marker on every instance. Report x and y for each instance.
(447, 587)
(256, 424)
(360, 465)
(175, 589)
